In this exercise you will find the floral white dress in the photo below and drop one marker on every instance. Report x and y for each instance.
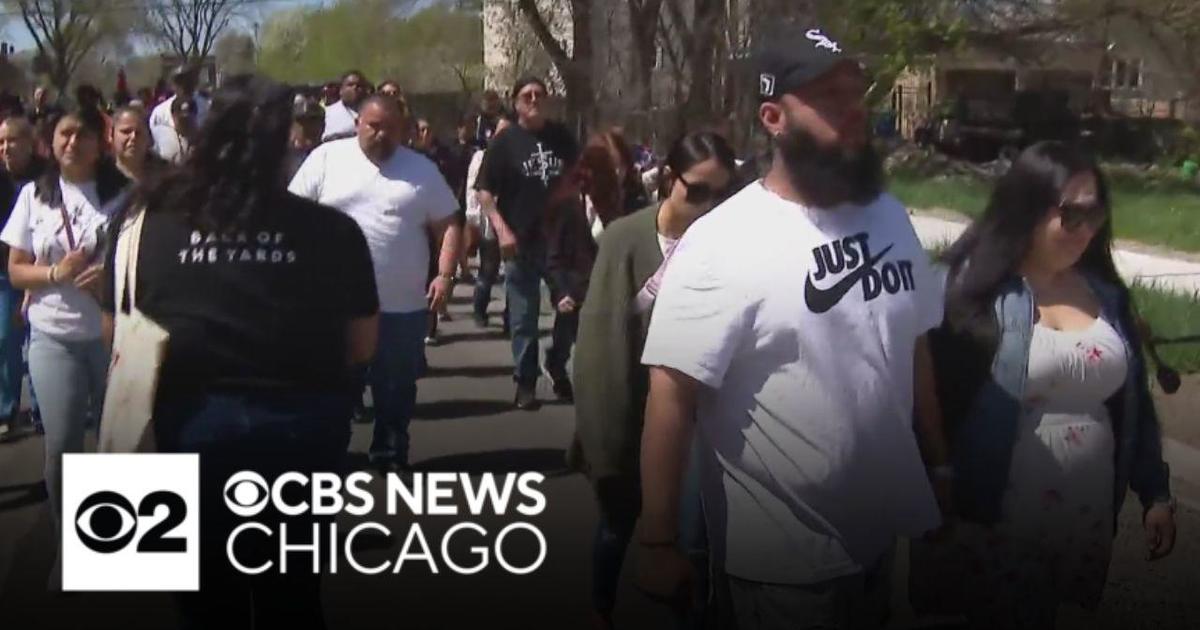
(1055, 540)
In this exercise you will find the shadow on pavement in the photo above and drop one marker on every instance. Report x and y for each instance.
(550, 461)
(452, 409)
(26, 494)
(31, 562)
(469, 371)
(478, 335)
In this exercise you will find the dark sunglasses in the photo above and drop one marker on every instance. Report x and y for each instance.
(702, 193)
(1074, 215)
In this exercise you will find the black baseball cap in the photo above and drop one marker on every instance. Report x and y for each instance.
(793, 58)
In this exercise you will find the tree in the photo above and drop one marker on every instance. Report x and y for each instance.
(235, 54)
(574, 65)
(437, 49)
(443, 50)
(64, 31)
(190, 28)
(282, 43)
(513, 50)
(1173, 27)
(894, 36)
(644, 22)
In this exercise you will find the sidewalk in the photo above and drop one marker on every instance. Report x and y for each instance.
(1175, 274)
(1184, 461)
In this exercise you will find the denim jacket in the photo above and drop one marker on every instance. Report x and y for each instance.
(983, 440)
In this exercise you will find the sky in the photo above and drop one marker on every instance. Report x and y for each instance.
(14, 32)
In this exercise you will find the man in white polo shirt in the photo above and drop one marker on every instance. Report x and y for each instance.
(801, 385)
(398, 199)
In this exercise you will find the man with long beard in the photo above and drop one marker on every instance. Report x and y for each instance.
(802, 386)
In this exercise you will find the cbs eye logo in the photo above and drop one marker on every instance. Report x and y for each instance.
(131, 522)
(107, 522)
(246, 493)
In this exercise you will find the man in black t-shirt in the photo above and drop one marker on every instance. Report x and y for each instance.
(522, 167)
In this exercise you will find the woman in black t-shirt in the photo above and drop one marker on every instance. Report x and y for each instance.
(265, 336)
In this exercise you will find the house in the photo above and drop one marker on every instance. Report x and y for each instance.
(1118, 71)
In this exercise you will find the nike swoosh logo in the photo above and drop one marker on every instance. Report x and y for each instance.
(821, 300)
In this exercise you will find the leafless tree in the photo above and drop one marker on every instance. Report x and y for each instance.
(190, 28)
(64, 31)
(574, 66)
(644, 23)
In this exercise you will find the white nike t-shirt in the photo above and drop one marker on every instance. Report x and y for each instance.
(393, 204)
(802, 324)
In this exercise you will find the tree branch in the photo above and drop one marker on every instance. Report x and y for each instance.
(538, 23)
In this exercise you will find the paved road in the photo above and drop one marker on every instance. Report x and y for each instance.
(465, 424)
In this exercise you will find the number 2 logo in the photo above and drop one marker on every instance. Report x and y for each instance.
(106, 522)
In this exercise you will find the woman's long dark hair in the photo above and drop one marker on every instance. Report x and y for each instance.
(236, 167)
(595, 175)
(992, 249)
(690, 150)
(631, 182)
(109, 181)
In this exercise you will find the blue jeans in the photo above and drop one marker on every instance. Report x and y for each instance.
(269, 432)
(397, 366)
(35, 412)
(489, 271)
(12, 337)
(523, 288)
(71, 376)
(620, 506)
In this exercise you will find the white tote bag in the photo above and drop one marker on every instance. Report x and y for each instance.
(139, 346)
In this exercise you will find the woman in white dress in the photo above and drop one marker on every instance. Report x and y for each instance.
(1045, 398)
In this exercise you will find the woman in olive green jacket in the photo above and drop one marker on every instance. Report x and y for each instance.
(610, 381)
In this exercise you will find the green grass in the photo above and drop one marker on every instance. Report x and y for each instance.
(1166, 214)
(1172, 315)
(965, 195)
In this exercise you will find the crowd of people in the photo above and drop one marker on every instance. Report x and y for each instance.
(762, 438)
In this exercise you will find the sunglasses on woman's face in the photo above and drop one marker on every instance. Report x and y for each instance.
(1073, 215)
(699, 193)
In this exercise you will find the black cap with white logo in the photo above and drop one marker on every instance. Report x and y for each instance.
(792, 59)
